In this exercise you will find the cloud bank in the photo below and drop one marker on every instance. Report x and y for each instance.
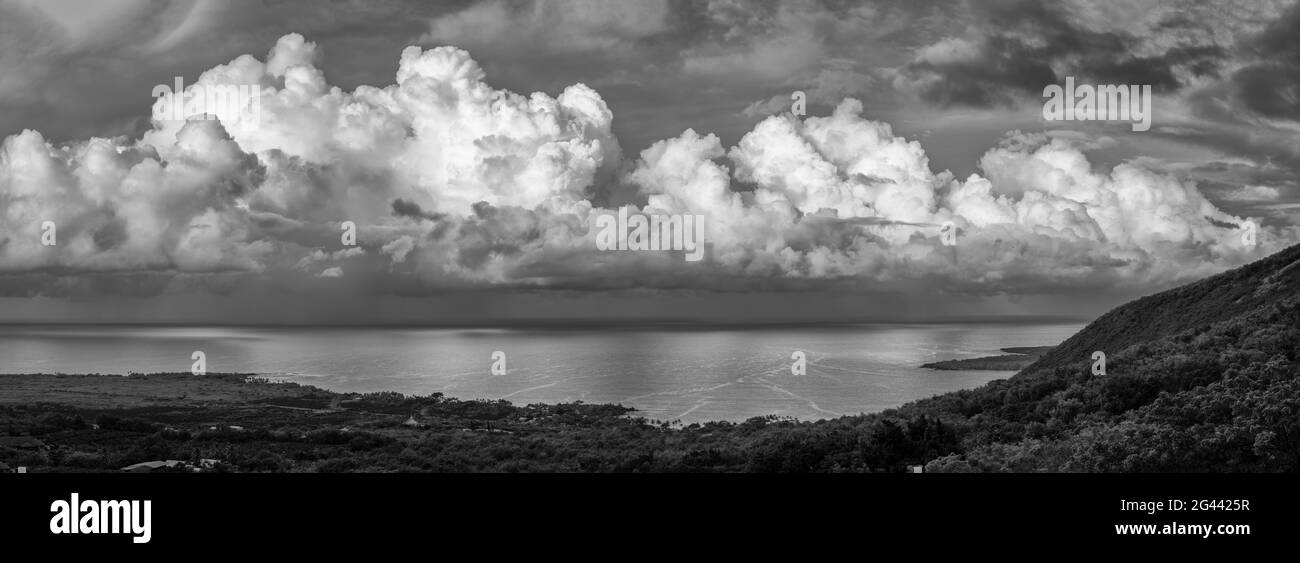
(453, 184)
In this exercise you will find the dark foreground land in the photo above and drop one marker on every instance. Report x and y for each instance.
(230, 422)
(1203, 378)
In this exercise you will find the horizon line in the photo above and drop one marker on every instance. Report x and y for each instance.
(586, 323)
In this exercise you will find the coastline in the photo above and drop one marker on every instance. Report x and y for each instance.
(245, 422)
(242, 423)
(1015, 359)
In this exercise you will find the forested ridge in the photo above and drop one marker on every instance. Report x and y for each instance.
(1199, 378)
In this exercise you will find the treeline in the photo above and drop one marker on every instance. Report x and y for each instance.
(1219, 398)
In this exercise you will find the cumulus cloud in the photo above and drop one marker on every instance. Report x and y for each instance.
(117, 207)
(453, 183)
(842, 196)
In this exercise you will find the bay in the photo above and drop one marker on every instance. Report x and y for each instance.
(666, 373)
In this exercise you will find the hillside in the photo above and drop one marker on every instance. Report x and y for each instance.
(1199, 378)
(1202, 303)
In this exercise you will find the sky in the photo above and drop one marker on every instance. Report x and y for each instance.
(472, 143)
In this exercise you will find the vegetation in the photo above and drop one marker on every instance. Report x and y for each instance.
(1015, 359)
(1203, 378)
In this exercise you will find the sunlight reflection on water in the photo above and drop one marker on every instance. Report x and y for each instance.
(691, 375)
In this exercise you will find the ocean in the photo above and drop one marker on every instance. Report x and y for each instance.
(666, 373)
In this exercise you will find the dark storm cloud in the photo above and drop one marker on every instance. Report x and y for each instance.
(1270, 86)
(404, 208)
(1225, 75)
(1251, 110)
(1020, 46)
(999, 75)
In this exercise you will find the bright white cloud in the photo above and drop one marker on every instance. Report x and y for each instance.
(454, 183)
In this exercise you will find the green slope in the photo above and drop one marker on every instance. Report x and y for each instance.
(1199, 304)
(1199, 378)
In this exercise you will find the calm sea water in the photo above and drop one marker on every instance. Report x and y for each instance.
(690, 375)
